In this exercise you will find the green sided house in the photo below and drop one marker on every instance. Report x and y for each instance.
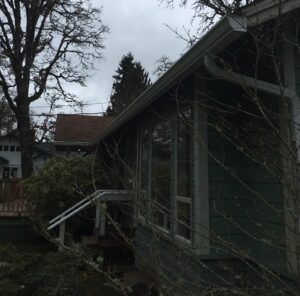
(211, 151)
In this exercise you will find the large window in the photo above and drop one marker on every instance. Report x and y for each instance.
(184, 179)
(144, 171)
(165, 181)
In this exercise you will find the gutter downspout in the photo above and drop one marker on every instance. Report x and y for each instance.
(266, 87)
(240, 79)
(270, 88)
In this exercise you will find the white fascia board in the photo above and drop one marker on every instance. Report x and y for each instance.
(260, 12)
(228, 29)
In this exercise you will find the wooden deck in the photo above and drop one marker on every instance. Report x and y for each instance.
(12, 203)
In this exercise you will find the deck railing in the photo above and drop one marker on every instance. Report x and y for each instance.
(12, 201)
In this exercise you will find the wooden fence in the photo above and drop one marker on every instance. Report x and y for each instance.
(12, 202)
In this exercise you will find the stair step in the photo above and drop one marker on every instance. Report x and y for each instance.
(89, 240)
(100, 242)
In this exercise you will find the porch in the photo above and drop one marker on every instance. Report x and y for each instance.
(12, 202)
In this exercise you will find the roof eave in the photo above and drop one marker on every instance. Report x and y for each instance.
(260, 12)
(72, 143)
(222, 34)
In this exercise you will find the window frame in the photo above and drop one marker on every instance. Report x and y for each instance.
(171, 231)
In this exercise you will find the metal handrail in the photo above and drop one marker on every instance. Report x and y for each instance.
(78, 207)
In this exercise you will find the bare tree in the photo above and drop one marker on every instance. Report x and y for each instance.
(43, 45)
(206, 13)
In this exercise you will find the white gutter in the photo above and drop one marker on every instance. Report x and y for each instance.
(263, 86)
(228, 29)
(243, 80)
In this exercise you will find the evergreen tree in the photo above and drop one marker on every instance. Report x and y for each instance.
(130, 80)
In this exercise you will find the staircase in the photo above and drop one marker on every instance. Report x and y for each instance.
(99, 199)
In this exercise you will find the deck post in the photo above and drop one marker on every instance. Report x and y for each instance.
(98, 215)
(100, 219)
(62, 228)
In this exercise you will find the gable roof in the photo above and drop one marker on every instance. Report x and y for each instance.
(79, 129)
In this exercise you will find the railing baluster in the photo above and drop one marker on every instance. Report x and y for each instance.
(11, 197)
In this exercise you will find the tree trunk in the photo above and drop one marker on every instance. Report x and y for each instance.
(26, 134)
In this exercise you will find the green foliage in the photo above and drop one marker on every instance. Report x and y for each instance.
(33, 273)
(131, 79)
(62, 182)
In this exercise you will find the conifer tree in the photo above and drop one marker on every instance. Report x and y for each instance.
(130, 80)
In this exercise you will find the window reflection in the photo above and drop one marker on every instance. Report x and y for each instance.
(157, 143)
(161, 174)
(144, 171)
(184, 218)
(184, 180)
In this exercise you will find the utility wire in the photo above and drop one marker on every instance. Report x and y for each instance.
(55, 114)
(67, 105)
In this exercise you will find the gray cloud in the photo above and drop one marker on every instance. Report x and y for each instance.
(136, 26)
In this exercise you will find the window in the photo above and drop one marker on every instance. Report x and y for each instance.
(5, 174)
(184, 178)
(161, 174)
(18, 148)
(12, 148)
(5, 147)
(14, 172)
(0, 147)
(144, 171)
(160, 185)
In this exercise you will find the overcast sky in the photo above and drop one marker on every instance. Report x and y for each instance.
(137, 26)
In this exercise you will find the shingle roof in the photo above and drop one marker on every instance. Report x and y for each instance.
(79, 128)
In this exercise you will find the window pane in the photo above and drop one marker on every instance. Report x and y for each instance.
(184, 154)
(12, 148)
(6, 171)
(144, 173)
(161, 166)
(184, 219)
(14, 172)
(5, 148)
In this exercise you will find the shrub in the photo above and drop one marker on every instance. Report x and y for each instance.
(62, 182)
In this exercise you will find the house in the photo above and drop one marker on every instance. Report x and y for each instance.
(15, 226)
(10, 156)
(211, 151)
(77, 133)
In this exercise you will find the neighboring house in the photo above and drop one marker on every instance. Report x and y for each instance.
(210, 150)
(42, 152)
(77, 133)
(10, 156)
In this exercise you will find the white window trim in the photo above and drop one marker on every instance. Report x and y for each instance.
(199, 199)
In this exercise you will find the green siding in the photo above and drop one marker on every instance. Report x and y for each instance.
(246, 200)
